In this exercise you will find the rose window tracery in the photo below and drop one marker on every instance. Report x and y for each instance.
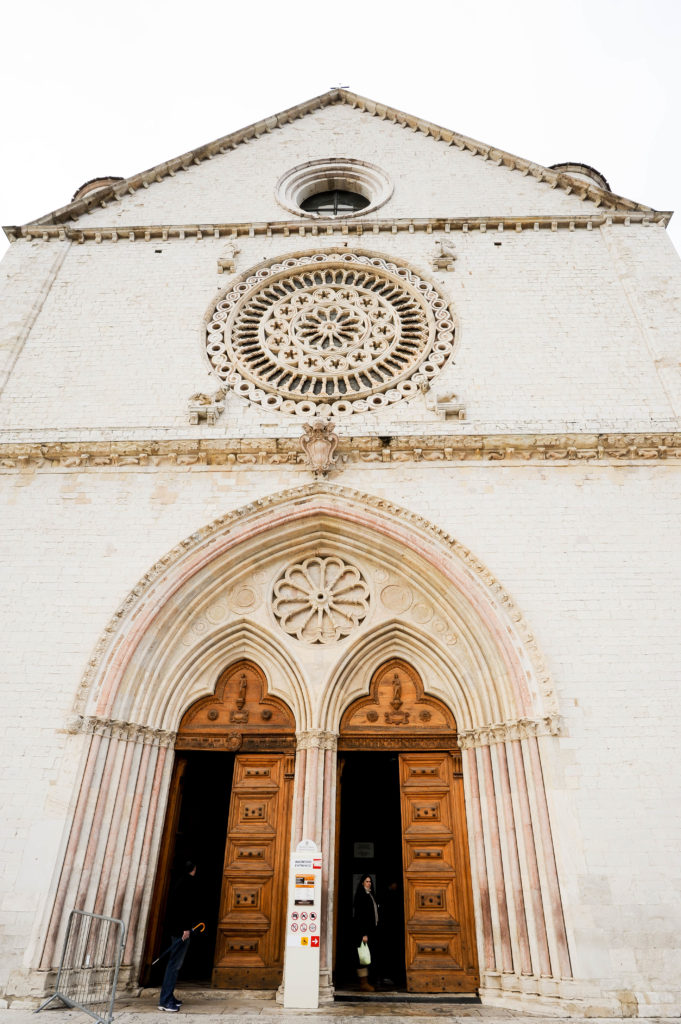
(340, 328)
(320, 599)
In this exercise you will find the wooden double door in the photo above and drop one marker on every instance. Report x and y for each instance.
(249, 945)
(229, 811)
(440, 953)
(401, 792)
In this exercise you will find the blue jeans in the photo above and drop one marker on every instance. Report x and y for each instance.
(175, 960)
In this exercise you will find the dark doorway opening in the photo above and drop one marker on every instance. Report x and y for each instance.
(370, 842)
(205, 788)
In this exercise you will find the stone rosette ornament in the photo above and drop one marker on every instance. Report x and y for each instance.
(320, 599)
(350, 331)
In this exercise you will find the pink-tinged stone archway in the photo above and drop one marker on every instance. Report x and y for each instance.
(149, 666)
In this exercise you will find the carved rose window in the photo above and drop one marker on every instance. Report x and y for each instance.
(320, 600)
(350, 331)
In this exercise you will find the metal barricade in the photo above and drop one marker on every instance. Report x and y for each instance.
(89, 966)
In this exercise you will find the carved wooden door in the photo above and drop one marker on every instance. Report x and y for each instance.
(438, 907)
(249, 951)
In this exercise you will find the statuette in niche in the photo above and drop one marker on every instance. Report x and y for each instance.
(320, 599)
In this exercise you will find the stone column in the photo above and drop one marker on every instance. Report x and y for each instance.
(519, 909)
(315, 807)
(113, 836)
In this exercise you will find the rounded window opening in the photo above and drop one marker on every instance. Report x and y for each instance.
(334, 202)
(333, 188)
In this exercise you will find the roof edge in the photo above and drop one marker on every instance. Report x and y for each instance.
(129, 185)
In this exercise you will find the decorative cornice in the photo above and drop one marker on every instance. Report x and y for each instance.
(112, 729)
(224, 453)
(128, 186)
(358, 226)
(503, 732)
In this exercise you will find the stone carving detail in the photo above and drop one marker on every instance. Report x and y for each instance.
(448, 406)
(319, 442)
(207, 407)
(444, 256)
(338, 328)
(321, 599)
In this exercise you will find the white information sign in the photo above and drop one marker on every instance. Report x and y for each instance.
(303, 928)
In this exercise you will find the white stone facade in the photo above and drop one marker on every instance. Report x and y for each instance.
(534, 542)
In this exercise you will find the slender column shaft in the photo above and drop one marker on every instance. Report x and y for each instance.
(550, 861)
(497, 864)
(481, 862)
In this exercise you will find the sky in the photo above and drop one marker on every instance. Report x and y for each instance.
(113, 90)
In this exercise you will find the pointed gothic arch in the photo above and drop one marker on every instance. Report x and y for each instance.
(209, 601)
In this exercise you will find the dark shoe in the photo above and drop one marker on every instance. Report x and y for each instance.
(365, 985)
(174, 999)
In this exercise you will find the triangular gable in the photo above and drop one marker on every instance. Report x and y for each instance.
(128, 186)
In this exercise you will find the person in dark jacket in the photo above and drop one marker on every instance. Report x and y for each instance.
(365, 927)
(180, 918)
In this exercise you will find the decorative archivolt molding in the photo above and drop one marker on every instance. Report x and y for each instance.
(320, 499)
(118, 189)
(90, 725)
(501, 732)
(355, 227)
(285, 451)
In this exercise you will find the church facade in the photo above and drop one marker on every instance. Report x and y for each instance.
(341, 469)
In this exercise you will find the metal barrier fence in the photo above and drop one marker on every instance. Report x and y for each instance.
(89, 966)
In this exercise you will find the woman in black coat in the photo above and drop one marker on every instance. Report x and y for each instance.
(365, 927)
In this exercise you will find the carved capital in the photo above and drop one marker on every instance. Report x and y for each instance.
(502, 732)
(317, 738)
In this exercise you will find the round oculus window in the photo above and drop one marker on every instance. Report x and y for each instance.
(347, 330)
(335, 188)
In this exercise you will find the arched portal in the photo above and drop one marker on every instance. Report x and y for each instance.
(229, 812)
(236, 590)
(402, 819)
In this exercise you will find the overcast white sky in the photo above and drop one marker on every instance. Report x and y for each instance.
(115, 89)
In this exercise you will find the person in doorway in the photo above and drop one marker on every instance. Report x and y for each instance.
(365, 928)
(179, 916)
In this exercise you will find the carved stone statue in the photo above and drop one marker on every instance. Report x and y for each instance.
(207, 407)
(319, 442)
(444, 255)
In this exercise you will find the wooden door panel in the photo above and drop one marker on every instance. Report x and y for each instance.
(254, 814)
(249, 947)
(250, 856)
(421, 854)
(439, 931)
(438, 954)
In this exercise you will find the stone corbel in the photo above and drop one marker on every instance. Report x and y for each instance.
(227, 262)
(448, 406)
(207, 407)
(444, 256)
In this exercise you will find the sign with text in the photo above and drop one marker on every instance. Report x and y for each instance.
(303, 926)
